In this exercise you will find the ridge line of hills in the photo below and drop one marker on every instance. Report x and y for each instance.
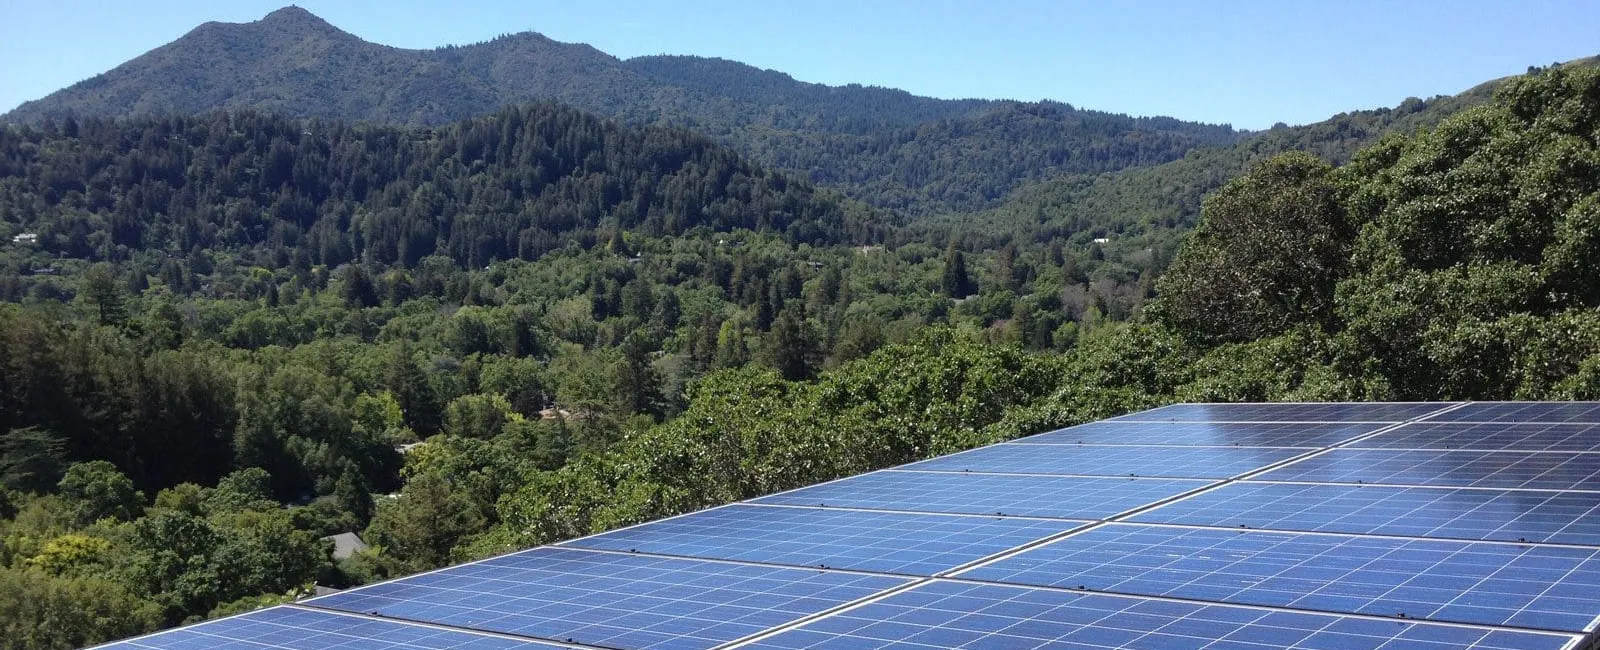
(887, 147)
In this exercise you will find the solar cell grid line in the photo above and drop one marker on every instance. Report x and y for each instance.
(610, 600)
(889, 542)
(1571, 518)
(1490, 436)
(1002, 555)
(1563, 471)
(1538, 412)
(1110, 460)
(1302, 412)
(1529, 586)
(953, 614)
(1067, 497)
(295, 628)
(1205, 434)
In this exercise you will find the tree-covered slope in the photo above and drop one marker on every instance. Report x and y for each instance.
(277, 192)
(884, 146)
(1166, 197)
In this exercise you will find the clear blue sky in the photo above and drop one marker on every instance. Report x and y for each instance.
(1248, 63)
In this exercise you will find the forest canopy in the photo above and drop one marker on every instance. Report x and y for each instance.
(228, 337)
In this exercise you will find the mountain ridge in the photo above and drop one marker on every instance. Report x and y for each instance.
(886, 146)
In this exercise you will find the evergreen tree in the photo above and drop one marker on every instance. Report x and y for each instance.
(100, 289)
(955, 281)
(410, 387)
(792, 350)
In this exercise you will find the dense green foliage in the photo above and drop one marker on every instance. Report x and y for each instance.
(228, 336)
(884, 146)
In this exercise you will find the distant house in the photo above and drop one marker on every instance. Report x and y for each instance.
(25, 238)
(346, 545)
(1102, 240)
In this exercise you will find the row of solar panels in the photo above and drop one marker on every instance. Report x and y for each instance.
(1326, 526)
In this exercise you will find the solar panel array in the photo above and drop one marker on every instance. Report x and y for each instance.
(1396, 526)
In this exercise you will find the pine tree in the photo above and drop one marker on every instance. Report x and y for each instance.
(410, 388)
(793, 351)
(100, 290)
(956, 283)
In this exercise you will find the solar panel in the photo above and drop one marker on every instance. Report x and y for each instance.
(1113, 460)
(611, 600)
(1545, 587)
(1501, 469)
(293, 628)
(893, 542)
(1316, 412)
(1212, 434)
(1071, 497)
(945, 614)
(1446, 513)
(1333, 526)
(1489, 436)
(1546, 412)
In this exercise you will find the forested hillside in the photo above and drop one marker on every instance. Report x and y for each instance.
(229, 335)
(1157, 204)
(883, 146)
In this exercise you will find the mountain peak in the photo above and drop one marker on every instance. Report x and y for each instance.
(295, 17)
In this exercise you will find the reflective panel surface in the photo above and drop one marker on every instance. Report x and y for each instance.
(1545, 587)
(1070, 497)
(290, 628)
(1209, 434)
(894, 542)
(1502, 515)
(1342, 412)
(954, 615)
(611, 600)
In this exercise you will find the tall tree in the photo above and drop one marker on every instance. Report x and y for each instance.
(955, 282)
(1270, 247)
(101, 290)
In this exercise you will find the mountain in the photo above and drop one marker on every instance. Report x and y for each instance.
(884, 146)
(1164, 200)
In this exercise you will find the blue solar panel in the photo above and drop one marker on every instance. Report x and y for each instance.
(290, 628)
(617, 601)
(1298, 412)
(1586, 412)
(1213, 434)
(1112, 460)
(1545, 587)
(1458, 513)
(908, 543)
(1499, 469)
(1490, 436)
(1071, 497)
(1381, 526)
(943, 614)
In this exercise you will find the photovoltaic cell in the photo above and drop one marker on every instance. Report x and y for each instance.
(289, 628)
(1498, 469)
(943, 614)
(1487, 530)
(616, 601)
(1545, 587)
(1547, 412)
(1212, 434)
(1112, 460)
(1498, 515)
(1488, 436)
(907, 543)
(1299, 412)
(1071, 497)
